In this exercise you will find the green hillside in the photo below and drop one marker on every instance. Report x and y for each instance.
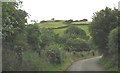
(54, 45)
(80, 23)
(53, 24)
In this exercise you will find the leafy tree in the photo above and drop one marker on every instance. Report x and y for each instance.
(47, 37)
(13, 23)
(75, 32)
(69, 21)
(83, 20)
(77, 45)
(113, 43)
(14, 20)
(33, 37)
(113, 40)
(103, 22)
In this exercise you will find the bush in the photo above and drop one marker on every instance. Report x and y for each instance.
(43, 21)
(33, 37)
(83, 20)
(54, 53)
(113, 45)
(47, 36)
(111, 61)
(81, 45)
(113, 40)
(69, 21)
(77, 45)
(75, 32)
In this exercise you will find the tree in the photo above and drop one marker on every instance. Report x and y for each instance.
(75, 32)
(103, 22)
(33, 37)
(14, 20)
(53, 19)
(83, 20)
(13, 23)
(113, 40)
(77, 45)
(69, 21)
(47, 37)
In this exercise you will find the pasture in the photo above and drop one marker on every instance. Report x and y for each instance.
(53, 24)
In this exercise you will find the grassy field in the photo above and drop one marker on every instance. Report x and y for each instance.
(80, 22)
(83, 27)
(60, 31)
(51, 24)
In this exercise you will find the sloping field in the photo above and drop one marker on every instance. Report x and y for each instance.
(51, 24)
(83, 27)
(60, 31)
(80, 23)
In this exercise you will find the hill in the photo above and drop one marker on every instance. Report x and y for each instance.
(60, 26)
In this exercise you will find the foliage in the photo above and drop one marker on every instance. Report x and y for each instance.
(103, 22)
(13, 19)
(22, 43)
(83, 20)
(113, 42)
(47, 37)
(69, 21)
(77, 45)
(13, 32)
(43, 21)
(33, 37)
(111, 62)
(54, 54)
(74, 32)
(104, 32)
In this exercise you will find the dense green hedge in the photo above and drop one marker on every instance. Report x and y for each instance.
(113, 46)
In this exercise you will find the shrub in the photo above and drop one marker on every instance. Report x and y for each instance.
(113, 40)
(47, 36)
(113, 43)
(83, 20)
(54, 53)
(69, 21)
(75, 32)
(77, 45)
(43, 21)
(33, 37)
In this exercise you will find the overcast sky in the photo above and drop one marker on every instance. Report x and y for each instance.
(65, 9)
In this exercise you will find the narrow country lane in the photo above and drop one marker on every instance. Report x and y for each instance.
(86, 65)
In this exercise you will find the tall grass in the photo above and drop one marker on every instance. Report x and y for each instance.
(41, 63)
